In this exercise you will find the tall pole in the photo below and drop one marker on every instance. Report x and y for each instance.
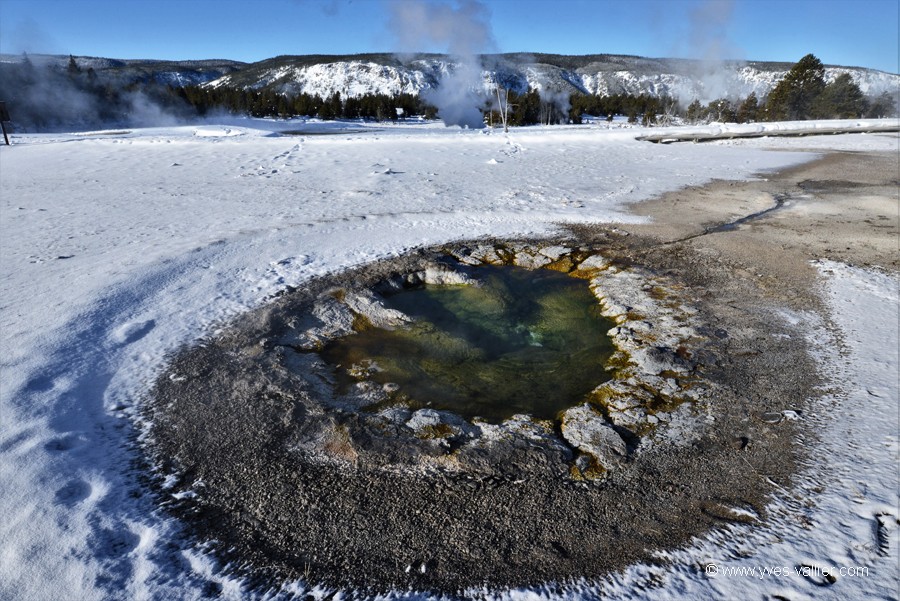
(4, 117)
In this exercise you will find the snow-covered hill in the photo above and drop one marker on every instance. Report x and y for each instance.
(128, 71)
(357, 75)
(354, 76)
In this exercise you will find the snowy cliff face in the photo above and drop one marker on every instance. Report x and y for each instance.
(351, 79)
(683, 79)
(869, 81)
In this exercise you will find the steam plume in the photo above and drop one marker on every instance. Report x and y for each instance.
(464, 31)
(710, 42)
(43, 96)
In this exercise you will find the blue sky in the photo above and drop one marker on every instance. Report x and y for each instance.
(854, 33)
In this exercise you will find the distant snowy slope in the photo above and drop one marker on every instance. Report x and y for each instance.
(354, 76)
(129, 71)
(350, 79)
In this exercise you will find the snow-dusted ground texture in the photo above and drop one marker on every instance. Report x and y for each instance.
(118, 247)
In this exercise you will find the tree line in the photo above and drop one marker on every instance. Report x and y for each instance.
(41, 98)
(525, 108)
(269, 103)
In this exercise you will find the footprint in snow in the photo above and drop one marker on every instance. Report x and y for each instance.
(40, 384)
(114, 543)
(298, 260)
(288, 153)
(132, 331)
(725, 511)
(73, 493)
(63, 443)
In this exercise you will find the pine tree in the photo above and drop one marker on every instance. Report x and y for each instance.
(335, 105)
(795, 95)
(524, 109)
(430, 112)
(841, 99)
(748, 109)
(694, 112)
(73, 69)
(721, 111)
(28, 72)
(668, 108)
(284, 106)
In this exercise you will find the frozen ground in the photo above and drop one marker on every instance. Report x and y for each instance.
(118, 247)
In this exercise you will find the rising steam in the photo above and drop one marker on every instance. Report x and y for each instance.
(42, 95)
(710, 42)
(463, 30)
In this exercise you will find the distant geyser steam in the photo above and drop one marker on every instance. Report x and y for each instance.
(464, 31)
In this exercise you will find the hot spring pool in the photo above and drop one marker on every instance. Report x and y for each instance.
(518, 341)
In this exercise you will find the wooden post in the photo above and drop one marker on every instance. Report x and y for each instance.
(4, 117)
(504, 107)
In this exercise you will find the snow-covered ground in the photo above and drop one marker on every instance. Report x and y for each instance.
(118, 247)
